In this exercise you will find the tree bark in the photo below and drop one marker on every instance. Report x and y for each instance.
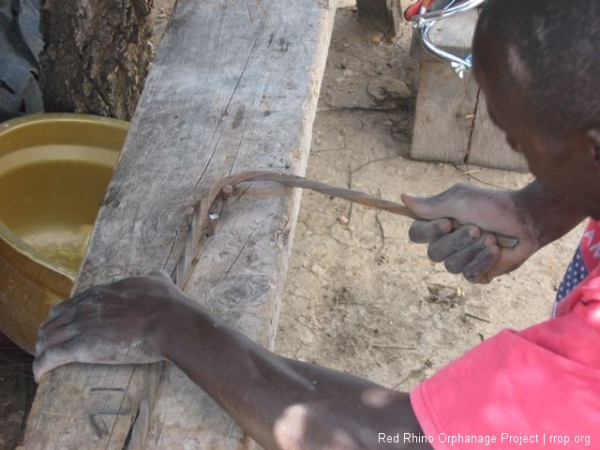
(96, 56)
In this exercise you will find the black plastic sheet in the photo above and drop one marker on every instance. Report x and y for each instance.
(20, 45)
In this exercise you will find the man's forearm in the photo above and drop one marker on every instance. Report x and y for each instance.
(282, 403)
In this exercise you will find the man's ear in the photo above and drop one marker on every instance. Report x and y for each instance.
(593, 135)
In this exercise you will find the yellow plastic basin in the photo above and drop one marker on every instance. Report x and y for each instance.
(54, 171)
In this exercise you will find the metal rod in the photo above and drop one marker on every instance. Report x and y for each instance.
(460, 65)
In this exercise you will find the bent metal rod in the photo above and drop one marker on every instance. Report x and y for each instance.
(206, 212)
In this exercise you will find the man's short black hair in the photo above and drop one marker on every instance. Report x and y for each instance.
(553, 54)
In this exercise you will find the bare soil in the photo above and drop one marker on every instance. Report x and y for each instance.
(360, 297)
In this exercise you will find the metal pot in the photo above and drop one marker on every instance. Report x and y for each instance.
(54, 172)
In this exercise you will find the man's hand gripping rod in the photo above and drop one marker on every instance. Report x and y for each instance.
(206, 212)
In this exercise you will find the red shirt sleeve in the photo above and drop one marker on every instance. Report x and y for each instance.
(538, 388)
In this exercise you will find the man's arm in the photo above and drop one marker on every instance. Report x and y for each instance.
(281, 403)
(536, 215)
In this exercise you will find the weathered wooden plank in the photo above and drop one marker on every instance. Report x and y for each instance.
(488, 144)
(444, 114)
(234, 87)
(450, 126)
(454, 35)
(452, 123)
(384, 15)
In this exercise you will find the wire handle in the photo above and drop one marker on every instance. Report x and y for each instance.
(423, 24)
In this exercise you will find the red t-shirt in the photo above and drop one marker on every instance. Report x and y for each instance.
(537, 388)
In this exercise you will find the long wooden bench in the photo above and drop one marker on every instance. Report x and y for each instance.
(234, 87)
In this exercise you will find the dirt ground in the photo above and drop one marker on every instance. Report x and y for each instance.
(359, 296)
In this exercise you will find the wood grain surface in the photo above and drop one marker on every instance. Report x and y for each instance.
(445, 112)
(488, 144)
(234, 87)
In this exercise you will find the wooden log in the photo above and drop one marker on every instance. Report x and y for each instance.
(234, 87)
(383, 15)
(488, 144)
(445, 103)
(444, 114)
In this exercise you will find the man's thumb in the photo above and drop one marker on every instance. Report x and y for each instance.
(428, 208)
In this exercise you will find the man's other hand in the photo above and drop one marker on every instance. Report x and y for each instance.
(469, 250)
(120, 323)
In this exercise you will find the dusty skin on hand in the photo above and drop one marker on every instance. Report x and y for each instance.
(109, 324)
(468, 249)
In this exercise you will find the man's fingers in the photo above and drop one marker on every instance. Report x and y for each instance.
(477, 270)
(423, 232)
(97, 294)
(81, 311)
(457, 262)
(509, 260)
(66, 317)
(47, 339)
(54, 357)
(67, 304)
(453, 243)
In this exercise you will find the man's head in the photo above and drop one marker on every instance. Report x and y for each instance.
(538, 63)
